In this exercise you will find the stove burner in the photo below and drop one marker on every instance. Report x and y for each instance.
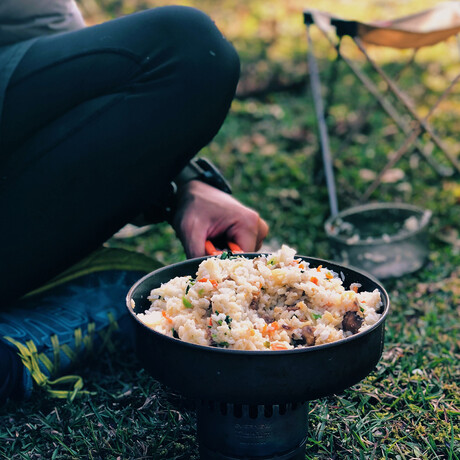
(252, 432)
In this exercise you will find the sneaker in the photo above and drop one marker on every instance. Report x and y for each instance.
(51, 330)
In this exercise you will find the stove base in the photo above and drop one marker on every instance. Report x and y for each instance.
(242, 432)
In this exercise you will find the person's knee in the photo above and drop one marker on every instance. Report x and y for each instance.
(202, 56)
(191, 30)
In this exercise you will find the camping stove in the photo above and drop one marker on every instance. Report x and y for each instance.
(252, 405)
(240, 431)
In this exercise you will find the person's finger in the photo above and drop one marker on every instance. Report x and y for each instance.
(251, 236)
(193, 236)
(244, 232)
(262, 233)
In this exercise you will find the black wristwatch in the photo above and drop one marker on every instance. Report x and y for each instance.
(203, 170)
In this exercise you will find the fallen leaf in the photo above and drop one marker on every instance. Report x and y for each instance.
(393, 175)
(367, 174)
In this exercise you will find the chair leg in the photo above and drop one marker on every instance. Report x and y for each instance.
(404, 100)
(405, 147)
(441, 170)
(324, 138)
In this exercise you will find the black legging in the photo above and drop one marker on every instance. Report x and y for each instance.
(96, 122)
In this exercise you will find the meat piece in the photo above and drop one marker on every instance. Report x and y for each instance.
(308, 335)
(351, 322)
(356, 305)
(209, 336)
(266, 317)
(254, 303)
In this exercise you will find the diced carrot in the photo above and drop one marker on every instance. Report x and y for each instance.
(314, 280)
(278, 346)
(318, 268)
(301, 266)
(355, 288)
(214, 283)
(205, 280)
(270, 328)
(329, 275)
(210, 321)
(166, 317)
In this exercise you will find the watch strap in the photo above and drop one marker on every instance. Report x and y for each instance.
(203, 170)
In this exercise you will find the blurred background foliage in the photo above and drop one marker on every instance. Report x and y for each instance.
(270, 35)
(268, 145)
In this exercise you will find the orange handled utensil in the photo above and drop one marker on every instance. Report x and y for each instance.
(213, 251)
(234, 247)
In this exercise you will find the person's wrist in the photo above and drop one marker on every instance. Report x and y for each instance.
(196, 171)
(182, 195)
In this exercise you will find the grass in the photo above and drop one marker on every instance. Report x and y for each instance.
(409, 406)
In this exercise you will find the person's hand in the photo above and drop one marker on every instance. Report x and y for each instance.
(204, 212)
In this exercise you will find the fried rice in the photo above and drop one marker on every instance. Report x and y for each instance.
(270, 302)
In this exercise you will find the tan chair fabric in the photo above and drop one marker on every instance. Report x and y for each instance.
(425, 28)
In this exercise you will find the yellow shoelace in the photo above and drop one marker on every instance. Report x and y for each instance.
(31, 359)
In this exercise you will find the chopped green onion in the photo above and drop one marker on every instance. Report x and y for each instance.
(186, 302)
(316, 316)
(190, 283)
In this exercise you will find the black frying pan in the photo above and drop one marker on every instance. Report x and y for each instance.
(256, 377)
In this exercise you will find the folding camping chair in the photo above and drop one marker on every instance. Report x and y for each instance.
(425, 28)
